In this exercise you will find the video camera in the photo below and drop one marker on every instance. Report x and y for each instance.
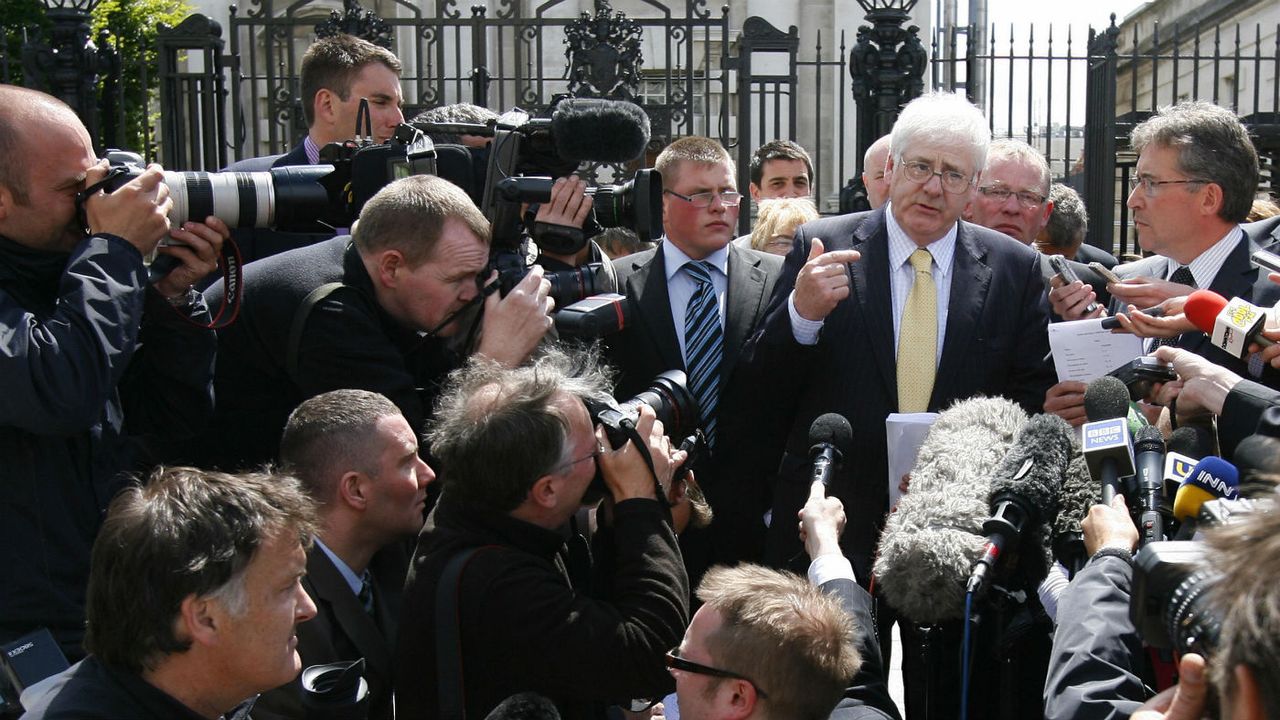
(1170, 606)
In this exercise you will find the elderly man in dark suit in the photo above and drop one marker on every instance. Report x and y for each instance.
(696, 299)
(357, 457)
(1195, 180)
(337, 74)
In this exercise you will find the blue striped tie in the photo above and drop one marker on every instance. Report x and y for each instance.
(703, 340)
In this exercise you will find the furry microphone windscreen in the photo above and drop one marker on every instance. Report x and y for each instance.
(1079, 493)
(929, 545)
(601, 130)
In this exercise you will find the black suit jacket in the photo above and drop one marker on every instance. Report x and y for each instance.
(868, 693)
(733, 480)
(996, 339)
(257, 243)
(341, 630)
(1237, 277)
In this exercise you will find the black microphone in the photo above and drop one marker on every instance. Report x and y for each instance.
(1025, 490)
(1148, 458)
(1079, 493)
(1106, 436)
(1257, 457)
(829, 439)
(524, 706)
(593, 129)
(929, 546)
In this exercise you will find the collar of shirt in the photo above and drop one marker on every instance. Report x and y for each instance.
(901, 246)
(1207, 264)
(311, 149)
(355, 582)
(675, 259)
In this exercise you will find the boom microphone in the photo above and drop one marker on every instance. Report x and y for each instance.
(1231, 325)
(829, 438)
(1079, 493)
(594, 129)
(1106, 437)
(1024, 493)
(929, 546)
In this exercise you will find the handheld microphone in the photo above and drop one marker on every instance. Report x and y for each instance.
(1111, 322)
(1231, 325)
(1025, 490)
(1148, 446)
(594, 129)
(829, 438)
(1106, 438)
(1211, 478)
(524, 706)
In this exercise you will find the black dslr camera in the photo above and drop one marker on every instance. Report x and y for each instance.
(675, 407)
(1171, 586)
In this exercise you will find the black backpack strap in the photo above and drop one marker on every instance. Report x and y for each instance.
(451, 693)
(300, 322)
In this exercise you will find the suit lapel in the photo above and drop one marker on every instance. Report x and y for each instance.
(744, 300)
(348, 614)
(870, 277)
(648, 285)
(970, 280)
(1234, 279)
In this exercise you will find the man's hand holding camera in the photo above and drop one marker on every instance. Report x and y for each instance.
(515, 324)
(624, 469)
(138, 211)
(197, 246)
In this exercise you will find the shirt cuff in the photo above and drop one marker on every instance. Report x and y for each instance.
(832, 566)
(804, 331)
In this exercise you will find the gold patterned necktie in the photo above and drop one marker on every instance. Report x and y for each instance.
(918, 338)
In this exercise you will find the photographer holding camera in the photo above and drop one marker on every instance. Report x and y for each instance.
(375, 311)
(98, 366)
(490, 608)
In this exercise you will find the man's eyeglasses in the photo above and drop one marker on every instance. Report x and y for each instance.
(1151, 187)
(566, 465)
(1026, 198)
(704, 199)
(952, 181)
(675, 662)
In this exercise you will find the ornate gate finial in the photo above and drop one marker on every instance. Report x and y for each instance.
(355, 20)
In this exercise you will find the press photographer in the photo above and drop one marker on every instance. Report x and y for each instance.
(373, 312)
(100, 367)
(494, 603)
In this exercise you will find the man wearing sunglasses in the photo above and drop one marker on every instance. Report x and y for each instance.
(696, 298)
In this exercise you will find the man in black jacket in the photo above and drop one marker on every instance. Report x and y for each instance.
(98, 366)
(375, 312)
(489, 608)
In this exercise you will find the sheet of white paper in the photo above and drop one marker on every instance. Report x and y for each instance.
(1084, 351)
(906, 433)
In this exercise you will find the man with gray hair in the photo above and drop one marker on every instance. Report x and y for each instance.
(1194, 183)
(1013, 197)
(378, 312)
(194, 597)
(357, 457)
(490, 607)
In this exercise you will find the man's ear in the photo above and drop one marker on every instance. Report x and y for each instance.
(543, 493)
(198, 620)
(1213, 199)
(7, 201)
(353, 490)
(391, 265)
(754, 189)
(741, 697)
(322, 107)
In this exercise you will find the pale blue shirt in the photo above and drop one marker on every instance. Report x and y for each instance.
(680, 286)
(901, 278)
(355, 582)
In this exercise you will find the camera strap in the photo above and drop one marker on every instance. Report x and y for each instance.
(451, 692)
(628, 428)
(232, 265)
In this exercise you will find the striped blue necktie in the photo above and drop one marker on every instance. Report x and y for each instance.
(703, 341)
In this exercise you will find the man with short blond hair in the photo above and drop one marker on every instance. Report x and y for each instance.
(697, 298)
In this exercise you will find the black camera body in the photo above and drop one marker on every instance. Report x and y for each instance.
(1172, 580)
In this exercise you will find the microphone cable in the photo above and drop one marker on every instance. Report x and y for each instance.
(964, 655)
